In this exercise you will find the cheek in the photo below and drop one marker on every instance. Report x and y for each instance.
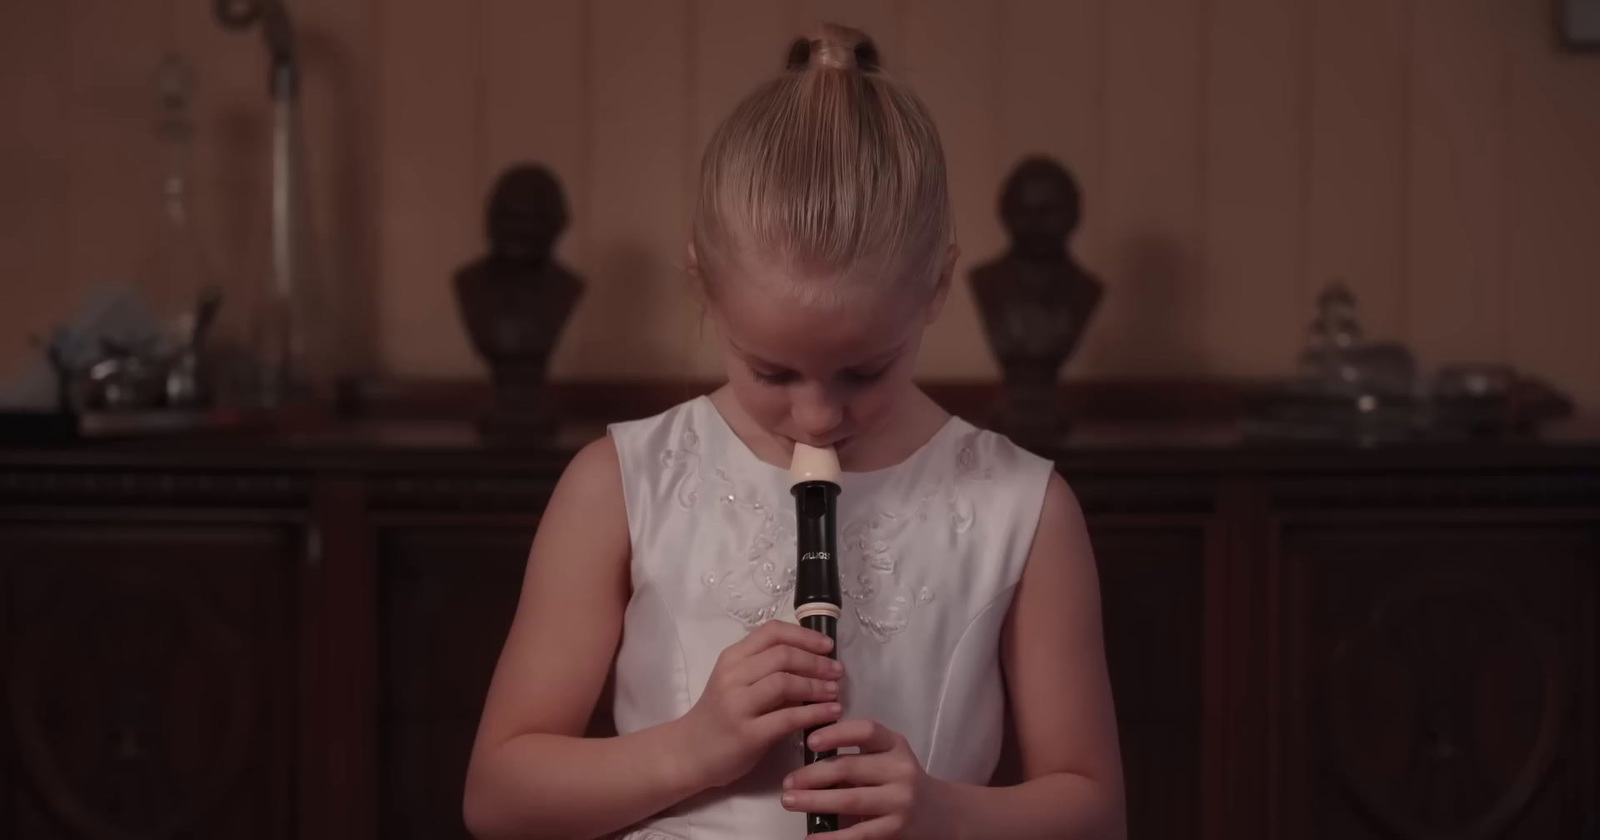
(869, 409)
(766, 405)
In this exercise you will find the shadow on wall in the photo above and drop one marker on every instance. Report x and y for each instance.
(622, 323)
(1158, 324)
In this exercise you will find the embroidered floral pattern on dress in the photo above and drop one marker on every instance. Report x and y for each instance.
(870, 548)
(755, 587)
(687, 458)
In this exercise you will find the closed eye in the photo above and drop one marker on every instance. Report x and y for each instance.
(862, 377)
(774, 377)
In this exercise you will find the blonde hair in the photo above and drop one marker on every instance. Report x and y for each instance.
(832, 167)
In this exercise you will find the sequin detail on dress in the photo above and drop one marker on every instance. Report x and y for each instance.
(870, 548)
(755, 587)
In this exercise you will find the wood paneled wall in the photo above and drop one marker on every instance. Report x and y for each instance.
(1440, 156)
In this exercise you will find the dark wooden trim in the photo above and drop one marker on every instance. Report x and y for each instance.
(595, 402)
(454, 519)
(1215, 719)
(149, 514)
(1288, 594)
(1588, 644)
(1485, 514)
(339, 652)
(12, 777)
(270, 472)
(1249, 669)
(310, 710)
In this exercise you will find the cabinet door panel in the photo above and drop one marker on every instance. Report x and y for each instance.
(1439, 680)
(1151, 589)
(149, 679)
(446, 601)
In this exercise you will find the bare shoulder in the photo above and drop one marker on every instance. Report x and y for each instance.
(588, 503)
(595, 473)
(1058, 595)
(1061, 539)
(569, 617)
(1053, 651)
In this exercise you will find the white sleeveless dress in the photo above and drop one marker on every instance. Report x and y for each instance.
(930, 552)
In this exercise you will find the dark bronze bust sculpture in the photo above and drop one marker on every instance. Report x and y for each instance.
(516, 299)
(1035, 300)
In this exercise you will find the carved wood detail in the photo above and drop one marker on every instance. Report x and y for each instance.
(1418, 669)
(1438, 677)
(144, 676)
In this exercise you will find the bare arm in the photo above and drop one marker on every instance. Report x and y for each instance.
(533, 774)
(1060, 697)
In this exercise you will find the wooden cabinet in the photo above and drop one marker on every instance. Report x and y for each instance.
(149, 676)
(447, 597)
(1152, 583)
(1439, 675)
(294, 641)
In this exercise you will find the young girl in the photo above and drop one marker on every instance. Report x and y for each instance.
(822, 247)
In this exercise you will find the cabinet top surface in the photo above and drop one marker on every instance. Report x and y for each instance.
(1118, 448)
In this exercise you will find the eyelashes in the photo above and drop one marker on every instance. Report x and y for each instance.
(783, 377)
(859, 377)
(848, 378)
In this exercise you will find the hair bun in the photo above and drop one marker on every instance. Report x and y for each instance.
(835, 47)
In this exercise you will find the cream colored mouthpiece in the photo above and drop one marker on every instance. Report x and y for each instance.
(813, 464)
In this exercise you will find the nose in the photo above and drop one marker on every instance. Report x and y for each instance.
(816, 413)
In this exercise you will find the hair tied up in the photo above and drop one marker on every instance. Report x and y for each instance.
(832, 168)
(834, 47)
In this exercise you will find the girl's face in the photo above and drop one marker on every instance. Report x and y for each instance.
(824, 376)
